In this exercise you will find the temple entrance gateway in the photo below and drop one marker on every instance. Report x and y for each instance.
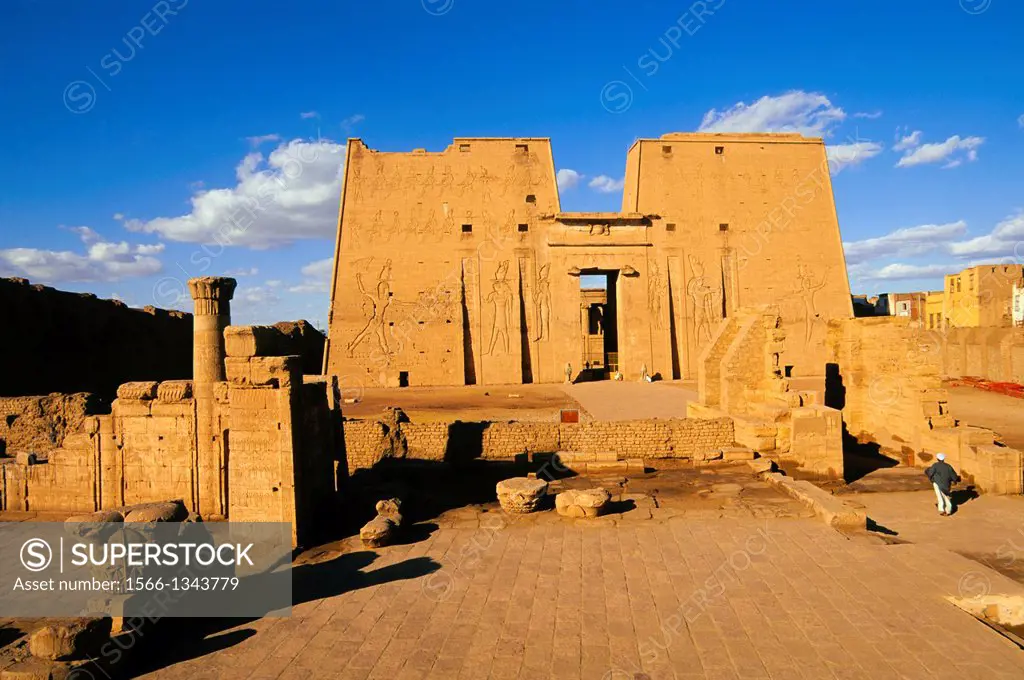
(459, 266)
(599, 338)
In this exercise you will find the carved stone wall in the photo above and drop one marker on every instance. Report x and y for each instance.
(278, 449)
(458, 267)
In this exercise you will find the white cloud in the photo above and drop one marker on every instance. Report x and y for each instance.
(352, 121)
(908, 142)
(305, 115)
(844, 155)
(870, 116)
(808, 113)
(259, 140)
(905, 242)
(1020, 120)
(567, 179)
(257, 295)
(289, 195)
(242, 271)
(316, 277)
(102, 261)
(899, 270)
(937, 152)
(85, 233)
(606, 185)
(1006, 239)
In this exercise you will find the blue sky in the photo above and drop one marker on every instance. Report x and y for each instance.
(135, 129)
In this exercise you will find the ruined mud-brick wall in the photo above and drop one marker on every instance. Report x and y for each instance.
(368, 442)
(995, 354)
(58, 341)
(675, 438)
(886, 379)
(39, 424)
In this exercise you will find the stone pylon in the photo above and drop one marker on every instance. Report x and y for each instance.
(212, 296)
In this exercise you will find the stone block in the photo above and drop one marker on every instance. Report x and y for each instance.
(378, 532)
(733, 453)
(63, 639)
(761, 465)
(390, 509)
(581, 503)
(834, 511)
(137, 390)
(173, 391)
(520, 495)
(169, 511)
(253, 341)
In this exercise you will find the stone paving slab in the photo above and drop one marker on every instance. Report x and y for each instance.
(678, 599)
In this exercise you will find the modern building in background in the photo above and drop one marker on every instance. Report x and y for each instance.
(981, 296)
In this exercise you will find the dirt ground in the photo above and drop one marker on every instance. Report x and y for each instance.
(491, 402)
(998, 412)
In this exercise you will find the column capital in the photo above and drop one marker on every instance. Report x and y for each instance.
(212, 294)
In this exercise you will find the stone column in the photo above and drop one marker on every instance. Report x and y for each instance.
(212, 296)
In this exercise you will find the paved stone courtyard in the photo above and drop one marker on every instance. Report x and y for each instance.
(678, 598)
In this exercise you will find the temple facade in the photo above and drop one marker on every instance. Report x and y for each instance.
(459, 267)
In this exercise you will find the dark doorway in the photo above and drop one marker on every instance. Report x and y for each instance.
(599, 337)
(403, 378)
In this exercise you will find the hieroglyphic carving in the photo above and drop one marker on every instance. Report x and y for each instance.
(704, 299)
(542, 303)
(375, 308)
(500, 297)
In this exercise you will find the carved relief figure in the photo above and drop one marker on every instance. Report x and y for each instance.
(809, 286)
(655, 291)
(467, 181)
(510, 222)
(447, 178)
(379, 180)
(485, 184)
(377, 227)
(703, 297)
(500, 298)
(542, 303)
(375, 308)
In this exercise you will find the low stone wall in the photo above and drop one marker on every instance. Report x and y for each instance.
(995, 354)
(368, 442)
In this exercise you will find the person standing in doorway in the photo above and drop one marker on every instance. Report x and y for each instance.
(943, 477)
